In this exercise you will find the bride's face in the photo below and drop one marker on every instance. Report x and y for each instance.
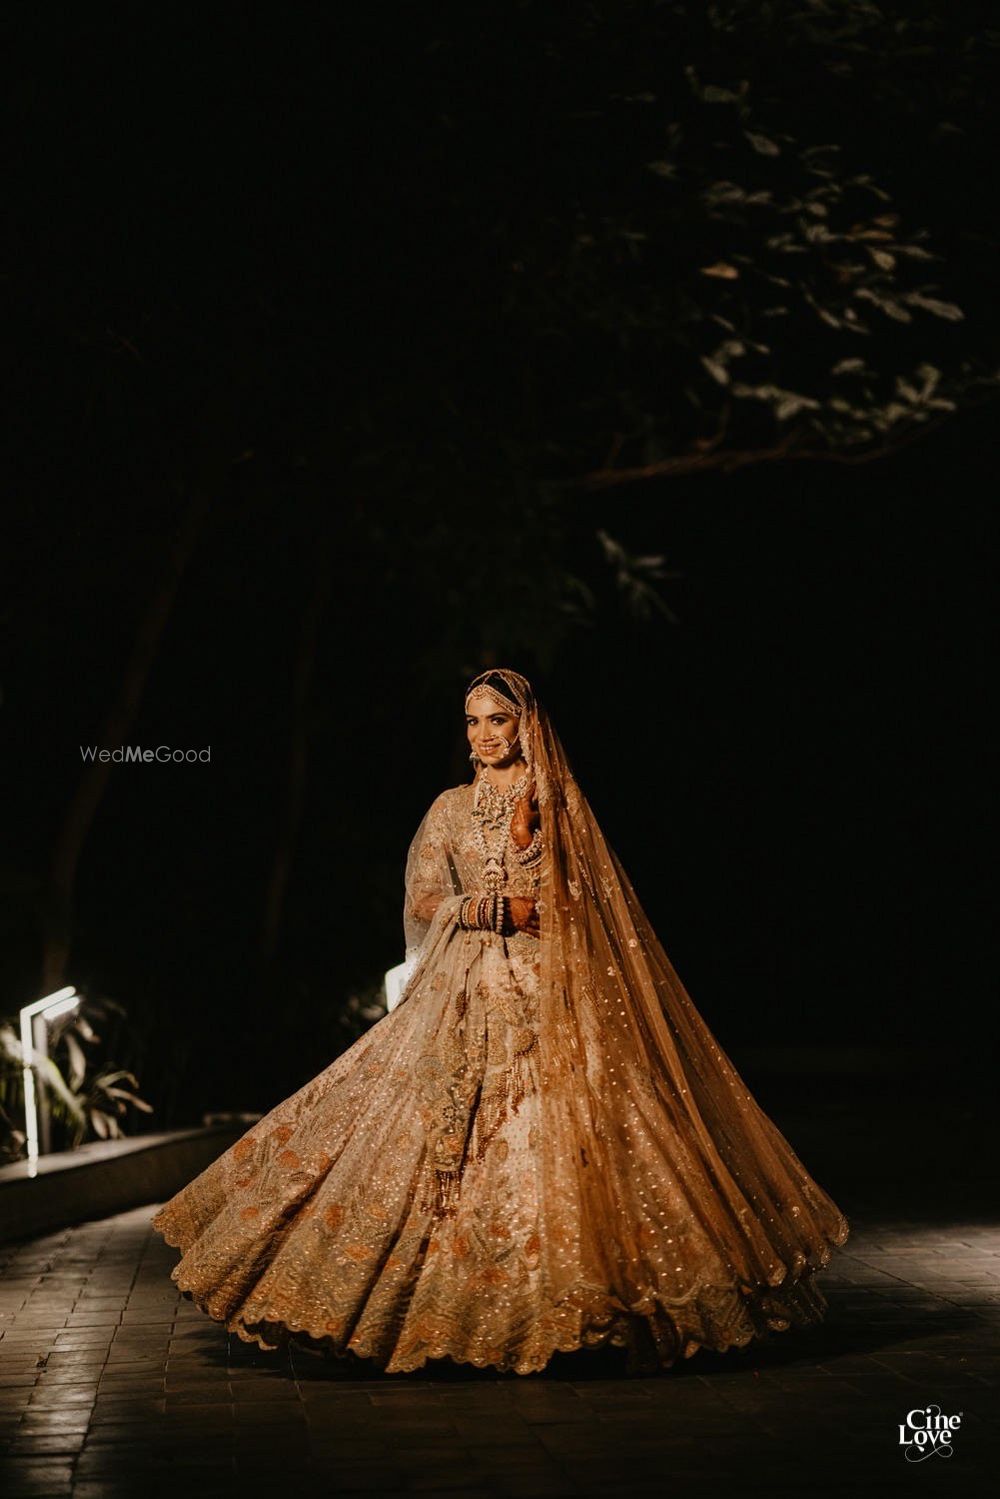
(490, 730)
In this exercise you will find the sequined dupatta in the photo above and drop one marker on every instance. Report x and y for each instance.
(661, 1172)
(432, 885)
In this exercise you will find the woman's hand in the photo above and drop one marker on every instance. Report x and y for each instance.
(523, 914)
(525, 819)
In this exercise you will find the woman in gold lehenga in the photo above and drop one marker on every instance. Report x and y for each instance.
(541, 1148)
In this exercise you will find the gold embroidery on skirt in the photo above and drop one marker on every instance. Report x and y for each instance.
(442, 1197)
(448, 1081)
(506, 1097)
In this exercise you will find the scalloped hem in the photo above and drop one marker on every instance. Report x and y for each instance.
(633, 1332)
(591, 1338)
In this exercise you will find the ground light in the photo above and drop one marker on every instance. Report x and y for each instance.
(45, 1010)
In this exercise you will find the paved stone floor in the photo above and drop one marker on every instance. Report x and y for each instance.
(112, 1384)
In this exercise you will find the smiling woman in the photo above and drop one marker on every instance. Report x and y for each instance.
(491, 734)
(541, 1148)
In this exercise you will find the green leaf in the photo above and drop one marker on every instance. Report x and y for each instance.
(53, 1079)
(113, 1077)
(10, 1044)
(762, 144)
(77, 1061)
(716, 370)
(932, 304)
(786, 403)
(888, 305)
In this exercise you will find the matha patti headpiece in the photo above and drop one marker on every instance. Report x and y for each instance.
(506, 688)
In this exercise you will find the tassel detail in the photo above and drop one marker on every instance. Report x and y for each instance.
(494, 1108)
(443, 1198)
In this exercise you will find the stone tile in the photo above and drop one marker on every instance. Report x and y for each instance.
(207, 1394)
(165, 1401)
(98, 1488)
(113, 1409)
(42, 1478)
(72, 1376)
(65, 1358)
(62, 1396)
(58, 1417)
(111, 1382)
(33, 1444)
(265, 1390)
(15, 1399)
(85, 1338)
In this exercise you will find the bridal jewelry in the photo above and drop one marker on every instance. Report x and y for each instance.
(483, 913)
(492, 813)
(508, 743)
(533, 852)
(507, 703)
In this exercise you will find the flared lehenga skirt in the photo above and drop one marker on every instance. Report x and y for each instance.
(395, 1208)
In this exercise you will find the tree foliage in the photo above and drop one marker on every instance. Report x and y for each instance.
(687, 245)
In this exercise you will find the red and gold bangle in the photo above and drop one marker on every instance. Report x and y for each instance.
(483, 912)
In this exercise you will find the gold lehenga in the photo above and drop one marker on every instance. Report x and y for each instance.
(541, 1148)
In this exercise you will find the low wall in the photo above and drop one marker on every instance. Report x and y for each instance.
(106, 1176)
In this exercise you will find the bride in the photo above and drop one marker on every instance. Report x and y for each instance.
(541, 1148)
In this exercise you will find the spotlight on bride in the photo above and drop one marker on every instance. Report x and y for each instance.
(541, 1147)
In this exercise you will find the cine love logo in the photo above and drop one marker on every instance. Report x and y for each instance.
(926, 1432)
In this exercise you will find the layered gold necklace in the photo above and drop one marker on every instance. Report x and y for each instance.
(492, 813)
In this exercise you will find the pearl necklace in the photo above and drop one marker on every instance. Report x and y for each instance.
(492, 814)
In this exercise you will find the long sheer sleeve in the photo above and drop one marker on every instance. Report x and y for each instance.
(431, 880)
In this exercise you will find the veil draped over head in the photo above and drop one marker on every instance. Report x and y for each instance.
(646, 1126)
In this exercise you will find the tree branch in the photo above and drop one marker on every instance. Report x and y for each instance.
(726, 462)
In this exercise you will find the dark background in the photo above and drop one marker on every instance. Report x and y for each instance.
(233, 255)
